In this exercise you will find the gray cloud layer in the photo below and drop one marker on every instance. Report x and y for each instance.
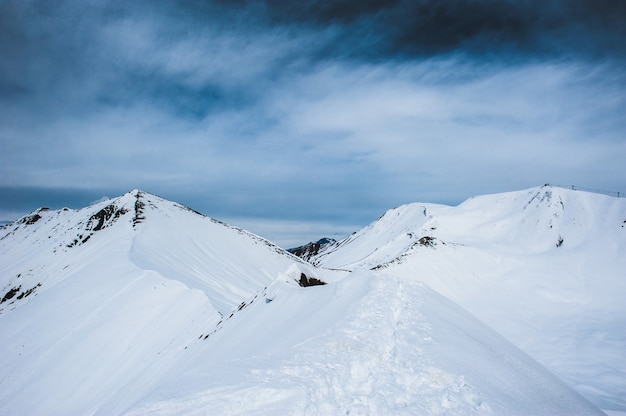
(322, 113)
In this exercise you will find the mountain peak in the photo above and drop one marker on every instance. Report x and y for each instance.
(311, 249)
(524, 259)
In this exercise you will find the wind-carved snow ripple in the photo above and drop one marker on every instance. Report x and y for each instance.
(373, 362)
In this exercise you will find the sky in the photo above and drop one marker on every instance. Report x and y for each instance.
(302, 119)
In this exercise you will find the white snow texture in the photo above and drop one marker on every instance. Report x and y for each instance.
(139, 306)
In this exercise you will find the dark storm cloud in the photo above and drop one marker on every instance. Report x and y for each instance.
(409, 28)
(114, 53)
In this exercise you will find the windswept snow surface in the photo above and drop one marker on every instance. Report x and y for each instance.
(369, 344)
(545, 267)
(138, 305)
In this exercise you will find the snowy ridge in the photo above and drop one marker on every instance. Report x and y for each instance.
(139, 305)
(368, 357)
(125, 283)
(393, 233)
(543, 266)
(67, 233)
(534, 221)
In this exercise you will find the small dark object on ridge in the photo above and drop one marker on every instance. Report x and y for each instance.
(309, 281)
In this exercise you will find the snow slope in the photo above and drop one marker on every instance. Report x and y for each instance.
(369, 344)
(138, 305)
(107, 297)
(544, 267)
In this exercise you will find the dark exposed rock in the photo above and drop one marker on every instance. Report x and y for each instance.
(104, 217)
(306, 281)
(306, 252)
(427, 241)
(15, 293)
(139, 210)
(10, 294)
(30, 219)
(28, 292)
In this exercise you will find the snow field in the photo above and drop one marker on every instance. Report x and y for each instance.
(499, 257)
(353, 353)
(142, 306)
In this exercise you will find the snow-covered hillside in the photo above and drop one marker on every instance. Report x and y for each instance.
(545, 267)
(104, 299)
(138, 305)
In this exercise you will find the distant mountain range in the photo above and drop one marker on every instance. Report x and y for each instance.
(138, 305)
(311, 249)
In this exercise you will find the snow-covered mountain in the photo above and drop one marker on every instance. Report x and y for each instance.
(100, 301)
(545, 267)
(137, 305)
(310, 250)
